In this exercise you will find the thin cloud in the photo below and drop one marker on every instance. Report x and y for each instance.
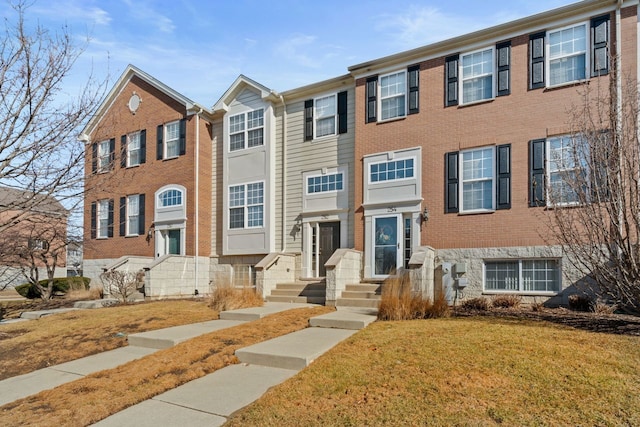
(295, 50)
(150, 16)
(74, 11)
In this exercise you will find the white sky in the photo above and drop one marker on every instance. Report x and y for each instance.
(199, 47)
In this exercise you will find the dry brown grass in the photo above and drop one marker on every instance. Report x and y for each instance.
(99, 395)
(28, 346)
(461, 371)
(227, 297)
(400, 303)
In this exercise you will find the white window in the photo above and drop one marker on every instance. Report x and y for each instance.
(104, 156)
(246, 130)
(522, 276)
(133, 215)
(477, 76)
(325, 115)
(477, 168)
(246, 205)
(170, 197)
(390, 171)
(103, 219)
(325, 183)
(567, 52)
(393, 99)
(133, 149)
(566, 169)
(172, 140)
(38, 245)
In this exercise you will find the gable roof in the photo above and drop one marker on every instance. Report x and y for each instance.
(130, 72)
(15, 199)
(242, 82)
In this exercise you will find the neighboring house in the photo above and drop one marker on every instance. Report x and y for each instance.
(432, 160)
(33, 236)
(74, 258)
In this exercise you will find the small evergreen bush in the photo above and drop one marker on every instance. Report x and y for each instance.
(61, 285)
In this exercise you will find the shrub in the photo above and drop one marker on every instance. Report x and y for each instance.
(399, 302)
(579, 302)
(537, 306)
(601, 307)
(61, 285)
(506, 301)
(225, 297)
(479, 303)
(120, 284)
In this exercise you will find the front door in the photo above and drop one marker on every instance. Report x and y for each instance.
(169, 242)
(328, 242)
(386, 245)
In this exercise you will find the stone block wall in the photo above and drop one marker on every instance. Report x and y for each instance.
(174, 276)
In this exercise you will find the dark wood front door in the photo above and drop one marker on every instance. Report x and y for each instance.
(329, 241)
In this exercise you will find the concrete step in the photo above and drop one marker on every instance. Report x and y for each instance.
(357, 302)
(365, 287)
(165, 338)
(32, 315)
(303, 292)
(344, 319)
(316, 286)
(297, 299)
(255, 313)
(293, 351)
(360, 294)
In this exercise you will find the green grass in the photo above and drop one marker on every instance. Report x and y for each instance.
(462, 371)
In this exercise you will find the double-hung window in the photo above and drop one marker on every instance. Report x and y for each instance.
(172, 140)
(133, 215)
(393, 95)
(246, 130)
(477, 168)
(392, 170)
(103, 219)
(477, 76)
(325, 116)
(567, 164)
(567, 49)
(522, 276)
(133, 149)
(246, 205)
(325, 183)
(104, 156)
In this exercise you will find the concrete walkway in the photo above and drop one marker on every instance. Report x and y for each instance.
(211, 399)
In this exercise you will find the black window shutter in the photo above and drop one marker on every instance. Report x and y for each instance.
(342, 112)
(183, 137)
(94, 219)
(536, 172)
(371, 104)
(451, 80)
(503, 188)
(94, 157)
(141, 226)
(413, 83)
(110, 227)
(159, 139)
(536, 60)
(123, 215)
(308, 120)
(504, 65)
(598, 169)
(112, 153)
(600, 46)
(451, 182)
(143, 146)
(123, 151)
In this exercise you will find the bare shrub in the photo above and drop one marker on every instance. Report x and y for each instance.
(506, 301)
(479, 303)
(225, 297)
(120, 284)
(601, 307)
(537, 306)
(579, 302)
(399, 302)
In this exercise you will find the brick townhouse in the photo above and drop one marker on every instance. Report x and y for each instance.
(431, 160)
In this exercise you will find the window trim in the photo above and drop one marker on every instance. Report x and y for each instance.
(308, 177)
(394, 160)
(521, 291)
(245, 206)
(462, 180)
(548, 171)
(165, 140)
(101, 156)
(493, 75)
(316, 116)
(128, 232)
(245, 130)
(405, 94)
(102, 207)
(129, 150)
(160, 205)
(548, 59)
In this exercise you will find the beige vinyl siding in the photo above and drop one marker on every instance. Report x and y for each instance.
(277, 175)
(217, 196)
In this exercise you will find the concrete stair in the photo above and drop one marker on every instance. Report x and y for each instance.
(300, 292)
(365, 295)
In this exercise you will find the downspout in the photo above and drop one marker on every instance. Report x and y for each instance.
(197, 203)
(284, 173)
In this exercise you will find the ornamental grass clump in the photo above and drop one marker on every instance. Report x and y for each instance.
(225, 297)
(399, 302)
(506, 301)
(478, 304)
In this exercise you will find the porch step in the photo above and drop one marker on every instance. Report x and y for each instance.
(365, 287)
(312, 292)
(358, 302)
(366, 295)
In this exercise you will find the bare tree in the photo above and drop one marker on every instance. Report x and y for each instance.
(121, 284)
(593, 191)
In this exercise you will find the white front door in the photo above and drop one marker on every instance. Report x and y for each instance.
(387, 245)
